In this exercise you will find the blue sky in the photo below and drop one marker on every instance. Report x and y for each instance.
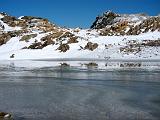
(74, 13)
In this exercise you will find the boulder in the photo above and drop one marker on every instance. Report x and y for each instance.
(37, 45)
(63, 47)
(92, 64)
(5, 116)
(48, 42)
(12, 56)
(73, 40)
(91, 46)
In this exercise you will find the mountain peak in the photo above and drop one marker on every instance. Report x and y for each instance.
(105, 19)
(110, 23)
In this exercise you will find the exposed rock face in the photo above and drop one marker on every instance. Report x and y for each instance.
(53, 38)
(73, 39)
(135, 47)
(27, 37)
(63, 47)
(45, 41)
(28, 21)
(18, 33)
(9, 20)
(38, 23)
(4, 37)
(13, 21)
(36, 45)
(28, 24)
(122, 24)
(150, 24)
(106, 19)
(30, 18)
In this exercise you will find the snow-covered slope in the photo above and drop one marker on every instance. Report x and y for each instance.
(29, 37)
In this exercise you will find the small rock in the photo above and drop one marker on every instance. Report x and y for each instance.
(64, 65)
(91, 64)
(12, 56)
(5, 116)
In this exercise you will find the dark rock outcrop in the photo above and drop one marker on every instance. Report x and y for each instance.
(13, 21)
(104, 20)
(125, 24)
(36, 45)
(135, 47)
(9, 20)
(63, 47)
(92, 64)
(12, 56)
(91, 46)
(4, 38)
(73, 39)
(64, 65)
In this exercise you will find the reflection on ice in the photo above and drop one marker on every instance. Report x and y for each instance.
(100, 65)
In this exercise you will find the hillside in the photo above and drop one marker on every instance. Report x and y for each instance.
(111, 36)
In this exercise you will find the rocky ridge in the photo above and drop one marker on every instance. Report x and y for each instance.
(111, 23)
(29, 27)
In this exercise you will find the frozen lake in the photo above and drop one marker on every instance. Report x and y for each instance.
(75, 90)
